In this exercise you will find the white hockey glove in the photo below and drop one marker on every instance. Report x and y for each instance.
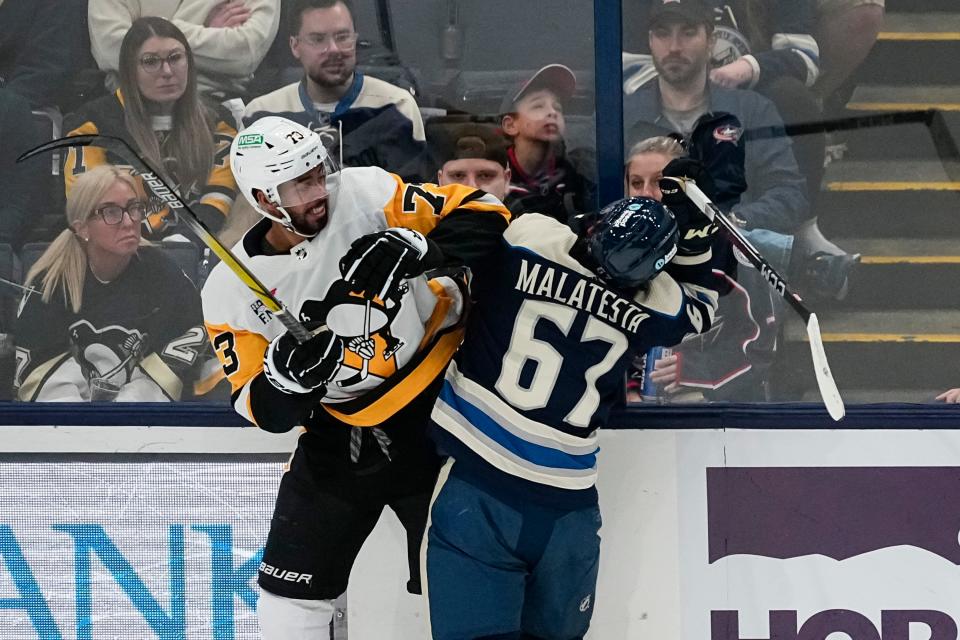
(377, 263)
(295, 367)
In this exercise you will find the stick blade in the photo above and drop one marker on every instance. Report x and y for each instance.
(84, 140)
(825, 382)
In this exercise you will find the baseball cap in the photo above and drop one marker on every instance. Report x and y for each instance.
(558, 78)
(693, 11)
(467, 140)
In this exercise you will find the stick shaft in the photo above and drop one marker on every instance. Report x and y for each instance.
(776, 281)
(825, 382)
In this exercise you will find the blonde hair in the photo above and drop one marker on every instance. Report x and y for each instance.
(64, 263)
(664, 145)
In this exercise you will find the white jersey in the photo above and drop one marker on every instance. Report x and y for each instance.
(413, 328)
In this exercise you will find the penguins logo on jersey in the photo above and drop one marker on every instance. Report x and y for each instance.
(370, 344)
(112, 352)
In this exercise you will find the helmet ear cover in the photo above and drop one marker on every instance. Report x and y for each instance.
(273, 151)
(632, 241)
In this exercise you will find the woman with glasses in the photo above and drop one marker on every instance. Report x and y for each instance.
(107, 317)
(158, 110)
(229, 37)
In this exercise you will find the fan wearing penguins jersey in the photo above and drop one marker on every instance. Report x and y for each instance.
(346, 250)
(512, 543)
(101, 306)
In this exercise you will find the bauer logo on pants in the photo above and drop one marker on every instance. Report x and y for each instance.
(283, 574)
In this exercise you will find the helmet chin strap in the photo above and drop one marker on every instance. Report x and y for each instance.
(287, 221)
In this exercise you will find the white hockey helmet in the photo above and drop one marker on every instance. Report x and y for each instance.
(274, 150)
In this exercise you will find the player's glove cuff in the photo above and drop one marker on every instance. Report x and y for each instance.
(277, 379)
(296, 367)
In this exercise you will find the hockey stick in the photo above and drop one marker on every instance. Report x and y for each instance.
(165, 193)
(852, 123)
(825, 382)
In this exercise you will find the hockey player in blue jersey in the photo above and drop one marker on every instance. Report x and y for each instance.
(512, 544)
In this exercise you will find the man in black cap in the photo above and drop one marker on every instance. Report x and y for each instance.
(542, 179)
(687, 62)
(471, 154)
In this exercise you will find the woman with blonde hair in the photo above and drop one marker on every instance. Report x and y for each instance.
(725, 363)
(109, 317)
(158, 109)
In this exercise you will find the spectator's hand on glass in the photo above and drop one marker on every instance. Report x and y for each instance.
(665, 373)
(950, 397)
(230, 13)
(736, 74)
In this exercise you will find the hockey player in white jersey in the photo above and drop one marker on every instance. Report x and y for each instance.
(512, 546)
(346, 251)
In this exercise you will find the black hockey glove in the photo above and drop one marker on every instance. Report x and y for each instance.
(696, 231)
(295, 367)
(377, 263)
(717, 143)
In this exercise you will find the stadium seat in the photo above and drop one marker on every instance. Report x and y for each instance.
(9, 295)
(29, 254)
(186, 255)
(50, 201)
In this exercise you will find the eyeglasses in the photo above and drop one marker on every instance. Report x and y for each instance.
(152, 63)
(113, 213)
(323, 41)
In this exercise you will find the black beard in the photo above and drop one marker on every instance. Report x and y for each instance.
(298, 226)
(326, 82)
(683, 77)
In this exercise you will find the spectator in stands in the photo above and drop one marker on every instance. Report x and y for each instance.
(228, 37)
(472, 154)
(41, 45)
(112, 319)
(157, 109)
(381, 123)
(680, 43)
(780, 61)
(846, 31)
(813, 40)
(542, 179)
(731, 361)
(20, 183)
(770, 48)
(681, 38)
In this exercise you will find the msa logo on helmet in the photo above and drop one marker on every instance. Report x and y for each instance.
(250, 140)
(727, 133)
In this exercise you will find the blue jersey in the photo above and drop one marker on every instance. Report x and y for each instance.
(545, 355)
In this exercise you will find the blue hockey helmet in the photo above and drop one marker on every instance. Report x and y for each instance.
(632, 241)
